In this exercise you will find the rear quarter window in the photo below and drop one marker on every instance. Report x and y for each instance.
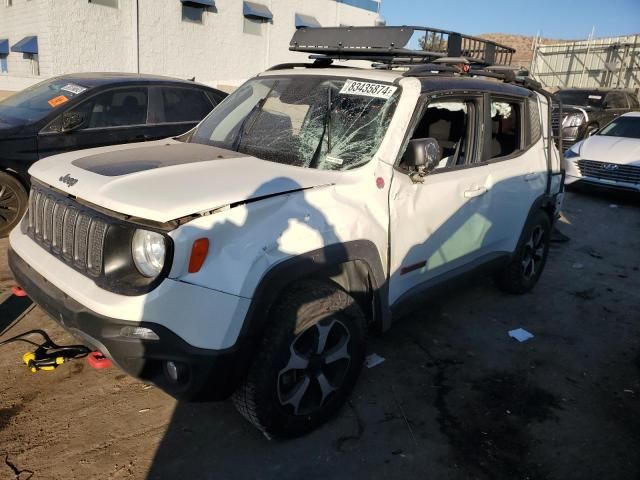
(185, 104)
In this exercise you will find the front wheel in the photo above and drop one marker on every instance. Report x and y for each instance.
(309, 360)
(13, 202)
(529, 259)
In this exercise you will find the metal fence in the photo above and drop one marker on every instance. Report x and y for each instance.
(600, 62)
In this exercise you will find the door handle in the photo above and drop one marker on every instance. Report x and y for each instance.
(476, 192)
(529, 177)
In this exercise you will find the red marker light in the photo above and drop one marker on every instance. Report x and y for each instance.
(18, 291)
(199, 253)
(380, 182)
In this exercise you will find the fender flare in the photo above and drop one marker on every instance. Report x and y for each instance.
(352, 265)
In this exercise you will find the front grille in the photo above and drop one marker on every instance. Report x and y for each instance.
(609, 171)
(69, 231)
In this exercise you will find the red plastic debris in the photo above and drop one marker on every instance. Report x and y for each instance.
(98, 361)
(18, 291)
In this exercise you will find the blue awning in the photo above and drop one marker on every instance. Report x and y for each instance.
(4, 46)
(256, 10)
(26, 45)
(306, 21)
(199, 3)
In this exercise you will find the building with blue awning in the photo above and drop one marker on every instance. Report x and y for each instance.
(219, 42)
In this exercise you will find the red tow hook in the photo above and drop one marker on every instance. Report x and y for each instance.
(98, 361)
(18, 291)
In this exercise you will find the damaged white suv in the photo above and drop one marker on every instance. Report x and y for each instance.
(250, 257)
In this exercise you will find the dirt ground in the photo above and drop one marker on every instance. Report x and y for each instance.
(456, 397)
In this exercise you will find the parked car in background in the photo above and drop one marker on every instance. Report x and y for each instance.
(585, 110)
(610, 158)
(87, 110)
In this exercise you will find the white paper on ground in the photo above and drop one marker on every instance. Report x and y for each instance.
(520, 334)
(373, 360)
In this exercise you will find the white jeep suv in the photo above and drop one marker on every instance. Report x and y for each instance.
(250, 257)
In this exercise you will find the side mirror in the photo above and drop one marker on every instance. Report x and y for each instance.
(71, 121)
(423, 154)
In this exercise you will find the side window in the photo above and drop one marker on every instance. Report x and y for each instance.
(633, 101)
(448, 121)
(185, 104)
(505, 128)
(616, 100)
(115, 108)
(535, 129)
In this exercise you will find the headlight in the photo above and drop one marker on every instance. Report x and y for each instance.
(148, 249)
(574, 151)
(573, 120)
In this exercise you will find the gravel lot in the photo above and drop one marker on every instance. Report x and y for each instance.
(456, 397)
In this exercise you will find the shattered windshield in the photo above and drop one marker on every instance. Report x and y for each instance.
(305, 121)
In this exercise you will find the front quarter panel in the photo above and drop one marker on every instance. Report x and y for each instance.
(248, 240)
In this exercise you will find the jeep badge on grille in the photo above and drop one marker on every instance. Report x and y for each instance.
(69, 180)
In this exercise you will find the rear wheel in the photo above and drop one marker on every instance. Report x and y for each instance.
(13, 202)
(530, 257)
(309, 361)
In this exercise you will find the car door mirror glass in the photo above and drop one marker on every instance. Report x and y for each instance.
(71, 121)
(422, 154)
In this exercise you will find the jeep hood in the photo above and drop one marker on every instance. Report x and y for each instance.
(624, 151)
(167, 180)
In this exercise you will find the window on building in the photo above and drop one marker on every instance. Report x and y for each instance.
(115, 108)
(106, 3)
(505, 128)
(252, 26)
(184, 104)
(255, 15)
(4, 67)
(192, 14)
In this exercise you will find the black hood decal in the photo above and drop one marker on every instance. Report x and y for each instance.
(127, 161)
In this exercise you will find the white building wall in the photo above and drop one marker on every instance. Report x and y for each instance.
(23, 19)
(89, 37)
(78, 36)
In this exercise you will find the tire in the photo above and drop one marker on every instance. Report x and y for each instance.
(291, 388)
(530, 257)
(13, 202)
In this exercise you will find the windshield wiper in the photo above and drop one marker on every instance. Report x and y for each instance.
(253, 114)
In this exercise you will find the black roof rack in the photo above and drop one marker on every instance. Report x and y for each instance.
(388, 45)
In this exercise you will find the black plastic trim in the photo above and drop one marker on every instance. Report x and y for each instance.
(212, 373)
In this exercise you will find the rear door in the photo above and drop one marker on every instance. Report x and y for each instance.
(111, 117)
(177, 109)
(516, 166)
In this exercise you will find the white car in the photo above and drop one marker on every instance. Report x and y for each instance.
(250, 256)
(610, 158)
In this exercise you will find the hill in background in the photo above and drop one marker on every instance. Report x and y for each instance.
(522, 43)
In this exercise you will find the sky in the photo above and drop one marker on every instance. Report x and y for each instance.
(559, 19)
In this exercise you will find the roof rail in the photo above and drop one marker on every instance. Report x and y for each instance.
(389, 45)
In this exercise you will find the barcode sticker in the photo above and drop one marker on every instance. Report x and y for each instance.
(72, 88)
(366, 89)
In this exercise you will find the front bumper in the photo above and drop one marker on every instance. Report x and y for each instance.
(213, 374)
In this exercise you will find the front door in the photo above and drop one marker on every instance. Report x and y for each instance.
(442, 224)
(112, 117)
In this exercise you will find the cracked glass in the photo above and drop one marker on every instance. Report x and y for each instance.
(305, 121)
